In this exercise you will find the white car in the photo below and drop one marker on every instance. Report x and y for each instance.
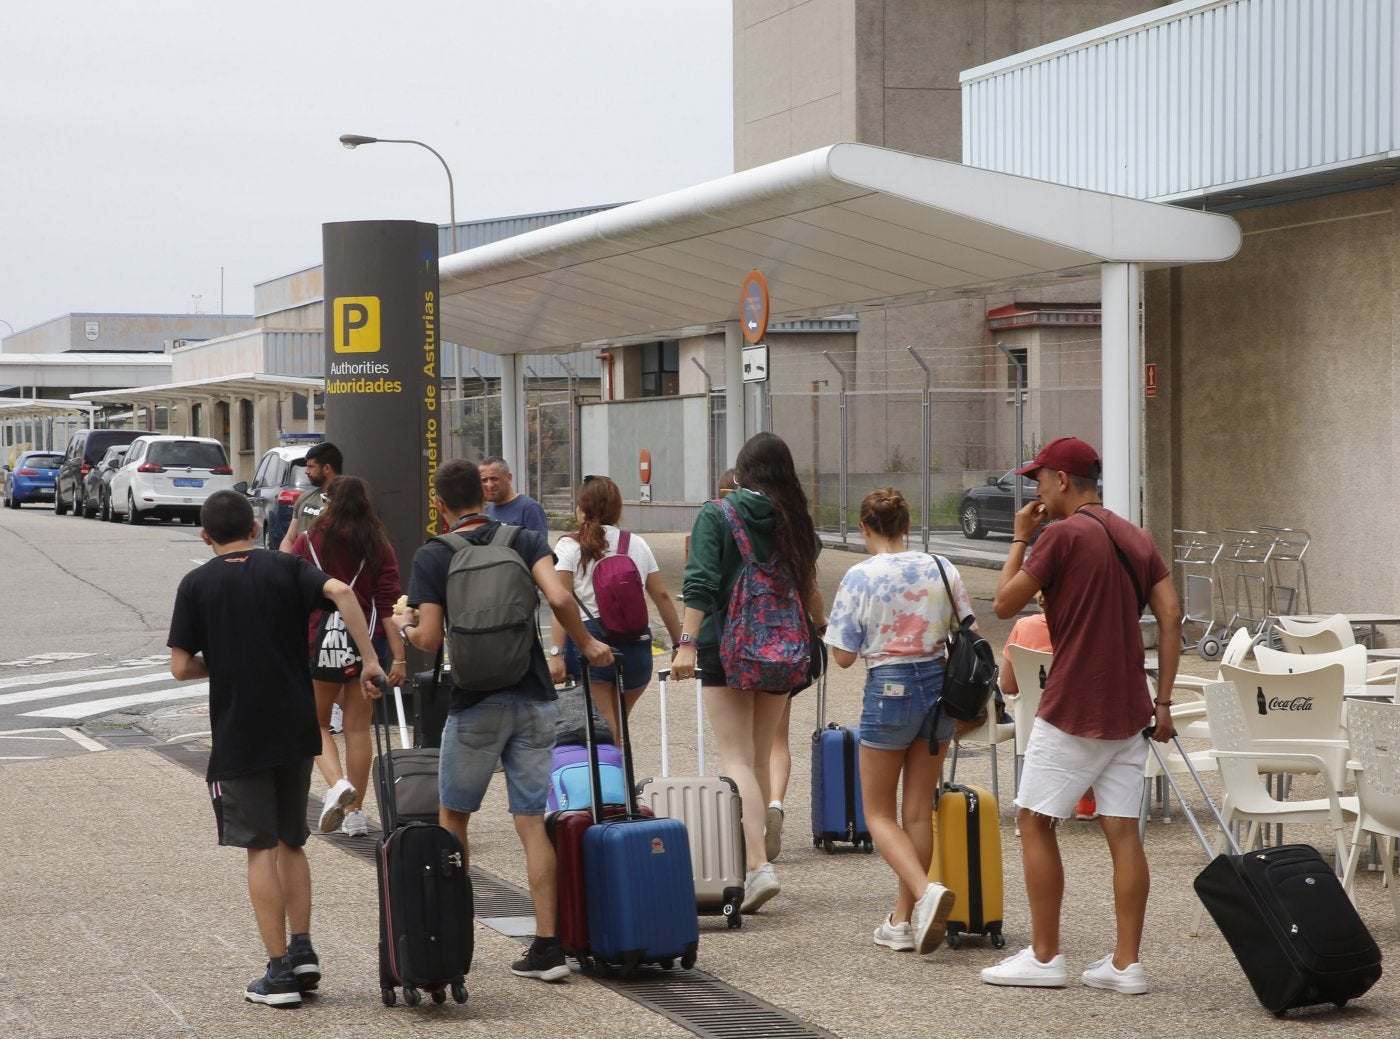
(169, 477)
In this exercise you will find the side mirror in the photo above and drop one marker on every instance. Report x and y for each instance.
(993, 481)
(241, 487)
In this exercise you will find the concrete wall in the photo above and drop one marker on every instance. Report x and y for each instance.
(1277, 389)
(121, 332)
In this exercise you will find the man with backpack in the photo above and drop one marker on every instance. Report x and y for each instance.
(482, 580)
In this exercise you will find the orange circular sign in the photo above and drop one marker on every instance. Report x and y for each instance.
(753, 306)
(645, 466)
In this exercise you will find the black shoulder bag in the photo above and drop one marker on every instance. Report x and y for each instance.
(971, 671)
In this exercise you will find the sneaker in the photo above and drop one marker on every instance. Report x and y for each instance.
(355, 824)
(1131, 980)
(545, 962)
(337, 725)
(277, 988)
(929, 921)
(305, 964)
(899, 937)
(333, 808)
(773, 835)
(1087, 809)
(1024, 970)
(760, 885)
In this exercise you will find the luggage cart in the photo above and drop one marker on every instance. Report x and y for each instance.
(1248, 555)
(1197, 552)
(1288, 576)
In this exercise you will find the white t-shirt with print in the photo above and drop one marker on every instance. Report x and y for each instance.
(893, 608)
(568, 552)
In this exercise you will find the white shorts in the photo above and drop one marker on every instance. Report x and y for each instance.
(1059, 769)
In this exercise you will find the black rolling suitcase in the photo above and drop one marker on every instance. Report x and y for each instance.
(1286, 917)
(425, 902)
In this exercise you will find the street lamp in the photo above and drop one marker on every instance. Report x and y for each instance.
(7, 325)
(354, 140)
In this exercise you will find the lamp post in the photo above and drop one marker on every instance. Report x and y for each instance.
(7, 325)
(353, 141)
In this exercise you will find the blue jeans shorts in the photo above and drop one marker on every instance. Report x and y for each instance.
(511, 728)
(898, 707)
(636, 661)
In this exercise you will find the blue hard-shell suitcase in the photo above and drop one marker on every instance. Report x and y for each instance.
(837, 814)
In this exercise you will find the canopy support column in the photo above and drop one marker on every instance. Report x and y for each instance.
(512, 414)
(1121, 360)
(733, 392)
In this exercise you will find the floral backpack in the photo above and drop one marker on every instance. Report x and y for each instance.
(765, 643)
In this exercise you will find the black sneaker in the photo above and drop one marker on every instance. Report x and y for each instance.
(277, 988)
(545, 962)
(305, 964)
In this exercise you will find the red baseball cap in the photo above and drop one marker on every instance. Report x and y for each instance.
(1065, 455)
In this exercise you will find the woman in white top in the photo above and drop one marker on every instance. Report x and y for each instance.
(893, 610)
(599, 509)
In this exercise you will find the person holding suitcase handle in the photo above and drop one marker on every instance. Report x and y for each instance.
(891, 609)
(1093, 567)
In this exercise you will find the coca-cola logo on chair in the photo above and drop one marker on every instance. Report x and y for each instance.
(1278, 703)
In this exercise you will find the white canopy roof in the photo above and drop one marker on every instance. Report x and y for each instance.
(840, 228)
(250, 384)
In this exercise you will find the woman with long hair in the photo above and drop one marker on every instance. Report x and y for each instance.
(348, 542)
(894, 610)
(771, 506)
(577, 555)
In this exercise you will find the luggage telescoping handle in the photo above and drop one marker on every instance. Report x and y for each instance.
(388, 811)
(662, 677)
(821, 700)
(629, 779)
(1200, 785)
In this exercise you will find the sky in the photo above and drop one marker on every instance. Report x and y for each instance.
(148, 145)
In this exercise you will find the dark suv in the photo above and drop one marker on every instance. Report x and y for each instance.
(84, 450)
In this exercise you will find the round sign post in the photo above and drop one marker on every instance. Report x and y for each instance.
(753, 306)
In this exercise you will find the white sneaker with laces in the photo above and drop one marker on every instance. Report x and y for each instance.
(1131, 980)
(355, 825)
(333, 808)
(899, 937)
(1024, 970)
(760, 884)
(929, 921)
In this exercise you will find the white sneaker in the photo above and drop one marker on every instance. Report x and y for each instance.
(333, 808)
(929, 921)
(1024, 970)
(337, 725)
(1131, 980)
(899, 937)
(773, 832)
(760, 885)
(355, 825)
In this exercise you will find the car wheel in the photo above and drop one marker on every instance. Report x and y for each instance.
(132, 516)
(59, 508)
(970, 519)
(104, 509)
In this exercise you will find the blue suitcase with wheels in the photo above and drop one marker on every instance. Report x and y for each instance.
(837, 813)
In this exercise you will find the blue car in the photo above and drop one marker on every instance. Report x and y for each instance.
(31, 478)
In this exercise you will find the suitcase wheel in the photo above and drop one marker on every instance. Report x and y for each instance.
(388, 995)
(998, 940)
(459, 992)
(411, 996)
(688, 960)
(816, 841)
(667, 964)
(439, 996)
(828, 846)
(954, 939)
(869, 846)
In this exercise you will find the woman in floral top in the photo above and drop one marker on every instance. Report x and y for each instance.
(892, 609)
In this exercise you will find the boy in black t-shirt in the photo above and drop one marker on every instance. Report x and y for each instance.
(241, 621)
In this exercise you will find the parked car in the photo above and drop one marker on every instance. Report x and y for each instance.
(278, 482)
(992, 508)
(169, 477)
(97, 484)
(85, 447)
(31, 478)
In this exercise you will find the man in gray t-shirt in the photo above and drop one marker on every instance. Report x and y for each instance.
(504, 503)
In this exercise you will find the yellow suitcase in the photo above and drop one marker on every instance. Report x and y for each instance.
(967, 861)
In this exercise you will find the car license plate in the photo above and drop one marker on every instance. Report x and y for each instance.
(179, 482)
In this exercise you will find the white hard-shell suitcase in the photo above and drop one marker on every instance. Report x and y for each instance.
(709, 807)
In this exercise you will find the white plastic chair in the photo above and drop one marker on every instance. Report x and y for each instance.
(1375, 734)
(1324, 636)
(1247, 797)
(1292, 713)
(989, 733)
(1031, 667)
(1190, 716)
(1183, 717)
(1359, 670)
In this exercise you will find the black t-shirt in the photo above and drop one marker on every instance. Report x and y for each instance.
(247, 612)
(429, 584)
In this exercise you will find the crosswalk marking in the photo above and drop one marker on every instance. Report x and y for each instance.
(34, 735)
(116, 703)
(39, 659)
(54, 692)
(68, 676)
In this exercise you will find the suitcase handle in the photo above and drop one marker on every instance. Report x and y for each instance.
(662, 677)
(1200, 785)
(388, 810)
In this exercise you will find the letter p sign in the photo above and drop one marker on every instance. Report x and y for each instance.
(356, 324)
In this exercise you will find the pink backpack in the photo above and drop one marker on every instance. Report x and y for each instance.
(618, 590)
(765, 643)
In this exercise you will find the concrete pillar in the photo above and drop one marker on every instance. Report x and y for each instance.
(512, 419)
(733, 392)
(1121, 449)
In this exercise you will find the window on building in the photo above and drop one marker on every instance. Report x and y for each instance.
(245, 424)
(661, 368)
(1018, 373)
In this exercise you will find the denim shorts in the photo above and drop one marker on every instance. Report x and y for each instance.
(511, 728)
(898, 707)
(636, 660)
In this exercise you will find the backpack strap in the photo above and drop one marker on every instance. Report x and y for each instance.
(736, 528)
(624, 539)
(1122, 558)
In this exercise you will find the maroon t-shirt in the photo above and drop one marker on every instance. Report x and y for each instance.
(1097, 687)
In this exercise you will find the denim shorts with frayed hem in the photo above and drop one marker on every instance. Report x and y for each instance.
(507, 727)
(898, 707)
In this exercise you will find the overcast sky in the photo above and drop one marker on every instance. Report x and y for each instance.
(146, 144)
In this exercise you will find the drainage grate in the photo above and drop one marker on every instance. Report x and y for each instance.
(693, 999)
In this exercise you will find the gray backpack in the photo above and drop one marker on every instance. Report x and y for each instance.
(491, 606)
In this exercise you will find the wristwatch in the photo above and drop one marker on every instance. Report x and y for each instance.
(686, 639)
(554, 651)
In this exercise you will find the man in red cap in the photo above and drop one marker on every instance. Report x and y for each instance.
(1098, 572)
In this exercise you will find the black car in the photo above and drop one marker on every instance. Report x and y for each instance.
(992, 508)
(84, 449)
(97, 484)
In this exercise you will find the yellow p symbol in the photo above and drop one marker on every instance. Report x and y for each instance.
(356, 324)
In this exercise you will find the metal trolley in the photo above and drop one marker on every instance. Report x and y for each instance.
(1197, 553)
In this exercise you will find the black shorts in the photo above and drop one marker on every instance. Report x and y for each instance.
(261, 809)
(707, 663)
